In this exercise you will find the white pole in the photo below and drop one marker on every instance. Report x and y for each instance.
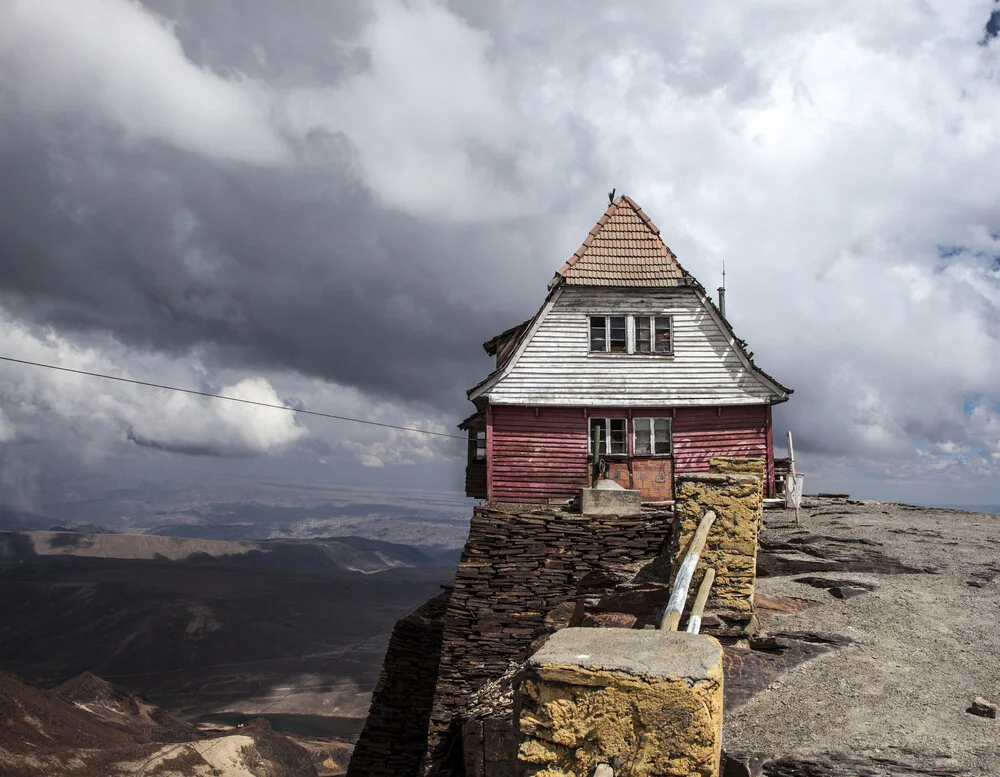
(672, 617)
(792, 477)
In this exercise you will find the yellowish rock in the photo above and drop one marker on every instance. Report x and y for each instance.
(731, 547)
(647, 702)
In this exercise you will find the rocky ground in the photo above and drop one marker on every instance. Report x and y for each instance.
(896, 609)
(91, 728)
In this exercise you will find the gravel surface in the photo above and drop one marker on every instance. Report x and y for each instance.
(925, 644)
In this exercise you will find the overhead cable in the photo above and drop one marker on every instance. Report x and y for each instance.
(209, 395)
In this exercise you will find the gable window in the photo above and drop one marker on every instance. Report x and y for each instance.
(608, 334)
(477, 446)
(644, 334)
(613, 436)
(652, 334)
(652, 436)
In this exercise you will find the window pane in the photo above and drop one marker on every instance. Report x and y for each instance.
(602, 424)
(663, 334)
(661, 436)
(643, 332)
(481, 446)
(619, 444)
(642, 436)
(598, 334)
(617, 337)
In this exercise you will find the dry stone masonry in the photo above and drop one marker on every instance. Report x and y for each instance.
(392, 742)
(731, 548)
(520, 575)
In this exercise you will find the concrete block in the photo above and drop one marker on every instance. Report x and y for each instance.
(610, 501)
(645, 702)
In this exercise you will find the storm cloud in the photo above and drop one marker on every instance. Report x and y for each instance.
(335, 203)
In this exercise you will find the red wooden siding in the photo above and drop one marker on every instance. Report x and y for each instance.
(702, 432)
(537, 454)
(537, 457)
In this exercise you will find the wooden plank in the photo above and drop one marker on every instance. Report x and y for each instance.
(698, 608)
(555, 365)
(678, 596)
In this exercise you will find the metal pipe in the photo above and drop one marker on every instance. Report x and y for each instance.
(672, 615)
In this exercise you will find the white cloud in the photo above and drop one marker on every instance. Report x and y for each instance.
(104, 417)
(119, 64)
(425, 115)
(825, 158)
(100, 415)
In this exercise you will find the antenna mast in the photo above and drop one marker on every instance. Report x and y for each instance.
(722, 291)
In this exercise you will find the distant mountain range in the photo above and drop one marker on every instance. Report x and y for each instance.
(320, 555)
(245, 511)
(214, 630)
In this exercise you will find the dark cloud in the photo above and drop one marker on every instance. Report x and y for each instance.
(347, 198)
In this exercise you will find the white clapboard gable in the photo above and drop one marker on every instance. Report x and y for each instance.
(554, 366)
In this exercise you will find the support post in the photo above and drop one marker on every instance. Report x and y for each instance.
(678, 596)
(694, 620)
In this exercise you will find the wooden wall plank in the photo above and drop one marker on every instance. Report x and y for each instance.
(556, 367)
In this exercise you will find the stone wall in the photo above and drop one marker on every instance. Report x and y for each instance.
(395, 733)
(731, 547)
(519, 579)
(648, 703)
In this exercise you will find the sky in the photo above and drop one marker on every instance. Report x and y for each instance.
(331, 205)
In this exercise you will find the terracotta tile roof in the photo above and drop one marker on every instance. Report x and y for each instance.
(623, 249)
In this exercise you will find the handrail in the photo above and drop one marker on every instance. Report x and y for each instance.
(694, 620)
(672, 616)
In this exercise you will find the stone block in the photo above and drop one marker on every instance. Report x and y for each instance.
(731, 547)
(740, 465)
(618, 501)
(647, 702)
(499, 739)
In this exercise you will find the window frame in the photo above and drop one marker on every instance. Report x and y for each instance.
(607, 332)
(652, 436)
(654, 319)
(474, 446)
(606, 437)
(631, 334)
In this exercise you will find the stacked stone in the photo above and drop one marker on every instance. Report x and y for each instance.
(395, 733)
(516, 568)
(731, 548)
(738, 465)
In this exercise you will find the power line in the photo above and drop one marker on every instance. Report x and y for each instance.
(233, 399)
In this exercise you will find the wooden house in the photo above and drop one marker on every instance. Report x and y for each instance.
(629, 347)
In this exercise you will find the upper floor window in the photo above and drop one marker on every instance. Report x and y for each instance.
(652, 334)
(608, 334)
(631, 334)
